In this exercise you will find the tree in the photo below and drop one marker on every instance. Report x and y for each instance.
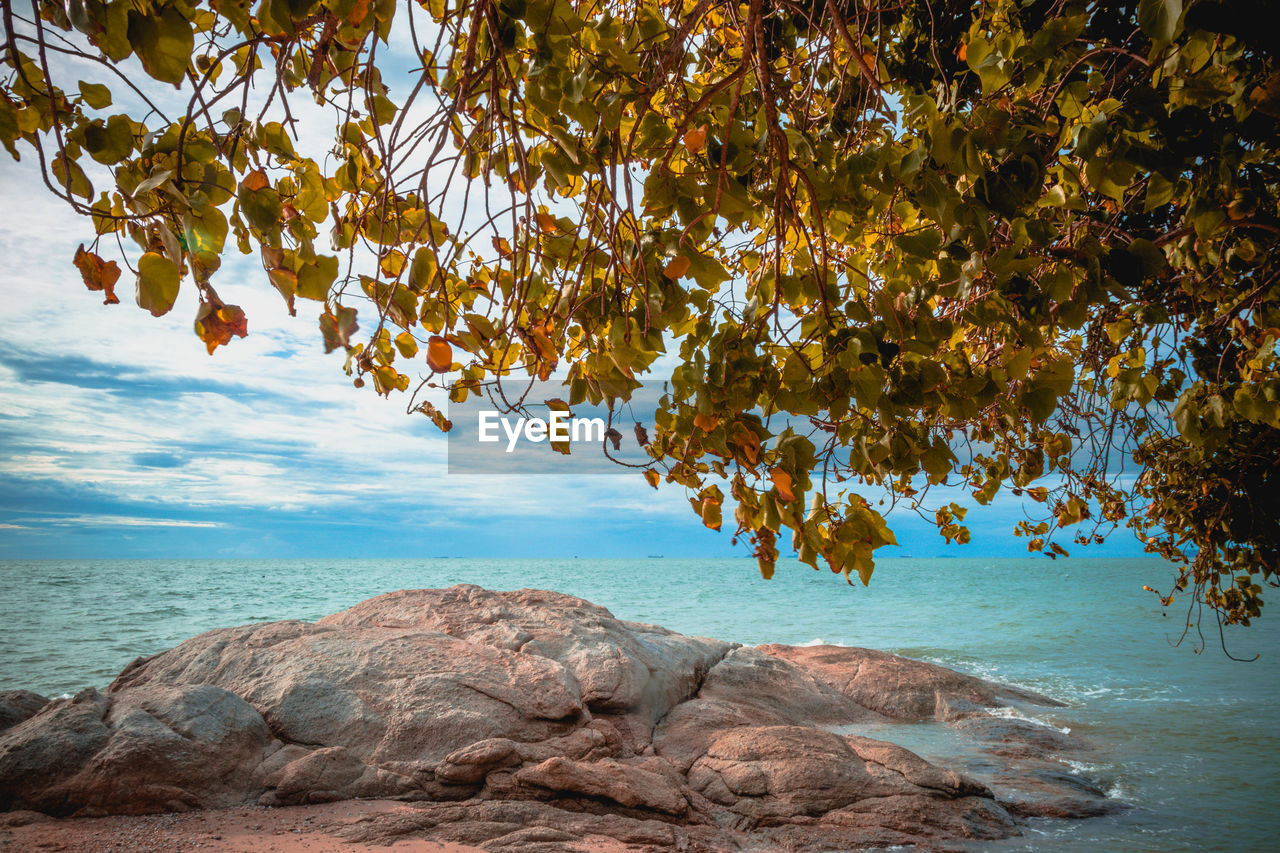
(899, 246)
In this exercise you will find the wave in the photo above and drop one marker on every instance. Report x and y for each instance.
(818, 641)
(1006, 713)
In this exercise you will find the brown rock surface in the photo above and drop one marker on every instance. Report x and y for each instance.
(531, 720)
(18, 705)
(900, 688)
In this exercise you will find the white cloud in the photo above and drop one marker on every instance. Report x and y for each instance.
(112, 521)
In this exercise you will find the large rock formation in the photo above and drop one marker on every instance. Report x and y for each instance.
(518, 720)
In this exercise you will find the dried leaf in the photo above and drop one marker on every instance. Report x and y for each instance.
(217, 323)
(98, 274)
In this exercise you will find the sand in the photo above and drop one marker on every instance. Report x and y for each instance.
(291, 829)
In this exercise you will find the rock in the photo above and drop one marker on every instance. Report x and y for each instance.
(1016, 738)
(900, 688)
(634, 784)
(911, 767)
(385, 694)
(773, 773)
(146, 749)
(517, 824)
(1047, 789)
(534, 721)
(751, 688)
(473, 762)
(918, 817)
(333, 773)
(619, 666)
(18, 705)
(24, 817)
(1025, 773)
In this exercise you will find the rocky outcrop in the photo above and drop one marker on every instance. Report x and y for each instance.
(516, 720)
(19, 705)
(900, 688)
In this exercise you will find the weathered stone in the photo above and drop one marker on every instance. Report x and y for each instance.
(626, 783)
(153, 748)
(18, 705)
(530, 721)
(900, 688)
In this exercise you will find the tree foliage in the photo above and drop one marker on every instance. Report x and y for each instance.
(897, 246)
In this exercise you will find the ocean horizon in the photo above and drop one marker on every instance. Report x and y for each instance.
(1188, 741)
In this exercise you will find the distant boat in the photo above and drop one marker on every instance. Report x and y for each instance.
(655, 557)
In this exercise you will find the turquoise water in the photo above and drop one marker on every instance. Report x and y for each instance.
(1191, 741)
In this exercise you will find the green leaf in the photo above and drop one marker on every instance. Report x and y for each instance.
(69, 175)
(95, 95)
(109, 143)
(315, 277)
(163, 42)
(262, 207)
(1159, 19)
(205, 231)
(158, 279)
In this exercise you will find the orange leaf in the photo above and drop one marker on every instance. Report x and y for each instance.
(696, 139)
(676, 267)
(747, 443)
(98, 274)
(782, 482)
(544, 347)
(705, 422)
(358, 12)
(651, 477)
(439, 354)
(255, 180)
(546, 221)
(503, 247)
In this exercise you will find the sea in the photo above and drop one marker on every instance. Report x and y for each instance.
(1188, 737)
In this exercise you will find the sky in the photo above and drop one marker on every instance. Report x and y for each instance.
(121, 437)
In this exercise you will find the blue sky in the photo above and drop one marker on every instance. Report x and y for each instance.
(121, 437)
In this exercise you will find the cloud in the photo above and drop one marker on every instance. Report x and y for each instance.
(115, 521)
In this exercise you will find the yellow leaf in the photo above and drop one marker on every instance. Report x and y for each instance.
(158, 279)
(393, 263)
(711, 513)
(652, 477)
(406, 344)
